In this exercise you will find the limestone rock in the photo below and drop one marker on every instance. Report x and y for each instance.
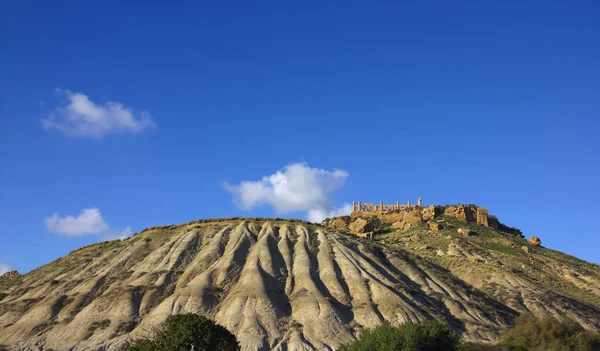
(482, 216)
(465, 232)
(339, 222)
(535, 241)
(429, 212)
(465, 213)
(403, 226)
(434, 226)
(450, 211)
(413, 217)
(11, 274)
(392, 217)
(361, 225)
(525, 249)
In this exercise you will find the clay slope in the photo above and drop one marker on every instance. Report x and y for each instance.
(282, 285)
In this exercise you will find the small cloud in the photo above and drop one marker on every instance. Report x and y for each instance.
(297, 187)
(88, 222)
(318, 215)
(80, 117)
(4, 268)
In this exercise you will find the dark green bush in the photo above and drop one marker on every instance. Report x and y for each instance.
(533, 334)
(181, 332)
(428, 336)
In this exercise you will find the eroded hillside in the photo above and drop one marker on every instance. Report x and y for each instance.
(291, 285)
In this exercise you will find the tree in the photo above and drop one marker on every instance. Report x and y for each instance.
(185, 332)
(428, 336)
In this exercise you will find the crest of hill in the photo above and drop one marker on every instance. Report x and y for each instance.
(288, 284)
(407, 217)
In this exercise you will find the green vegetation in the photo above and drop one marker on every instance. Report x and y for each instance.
(529, 334)
(534, 334)
(428, 336)
(184, 332)
(506, 249)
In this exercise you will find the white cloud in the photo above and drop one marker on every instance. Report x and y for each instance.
(318, 215)
(297, 187)
(88, 222)
(78, 116)
(4, 268)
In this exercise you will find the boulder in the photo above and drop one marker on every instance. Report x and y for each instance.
(465, 232)
(482, 216)
(398, 225)
(525, 249)
(535, 241)
(392, 217)
(429, 212)
(450, 211)
(465, 213)
(339, 222)
(434, 226)
(413, 217)
(361, 225)
(364, 225)
(403, 226)
(11, 274)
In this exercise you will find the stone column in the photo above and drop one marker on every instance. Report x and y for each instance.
(353, 206)
(380, 205)
(397, 205)
(408, 205)
(420, 202)
(359, 207)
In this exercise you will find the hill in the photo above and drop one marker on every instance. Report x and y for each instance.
(292, 285)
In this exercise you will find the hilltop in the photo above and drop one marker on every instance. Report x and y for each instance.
(292, 285)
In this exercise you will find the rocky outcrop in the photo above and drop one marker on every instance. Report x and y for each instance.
(364, 225)
(535, 241)
(430, 212)
(465, 213)
(413, 217)
(450, 211)
(433, 226)
(11, 275)
(339, 222)
(482, 216)
(406, 219)
(465, 232)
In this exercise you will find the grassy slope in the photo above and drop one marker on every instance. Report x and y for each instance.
(502, 252)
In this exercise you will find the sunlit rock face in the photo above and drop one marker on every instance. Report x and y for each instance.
(282, 285)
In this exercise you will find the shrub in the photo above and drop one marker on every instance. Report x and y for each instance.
(428, 336)
(533, 334)
(184, 332)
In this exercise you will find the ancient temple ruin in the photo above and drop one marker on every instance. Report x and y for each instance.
(357, 206)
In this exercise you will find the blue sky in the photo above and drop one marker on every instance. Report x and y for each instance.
(129, 116)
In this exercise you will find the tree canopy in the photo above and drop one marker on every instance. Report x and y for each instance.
(185, 332)
(427, 336)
